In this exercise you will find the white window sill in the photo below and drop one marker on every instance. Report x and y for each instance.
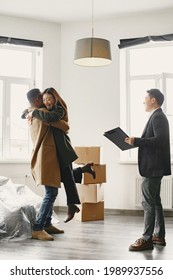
(131, 162)
(17, 161)
(128, 162)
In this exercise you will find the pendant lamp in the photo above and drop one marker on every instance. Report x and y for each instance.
(92, 51)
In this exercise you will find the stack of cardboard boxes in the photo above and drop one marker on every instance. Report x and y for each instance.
(91, 190)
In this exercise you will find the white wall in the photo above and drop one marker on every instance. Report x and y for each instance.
(49, 33)
(92, 94)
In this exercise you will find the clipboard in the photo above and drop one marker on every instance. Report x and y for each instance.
(117, 136)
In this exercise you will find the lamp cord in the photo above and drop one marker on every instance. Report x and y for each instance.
(92, 18)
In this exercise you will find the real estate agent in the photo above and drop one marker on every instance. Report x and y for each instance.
(153, 163)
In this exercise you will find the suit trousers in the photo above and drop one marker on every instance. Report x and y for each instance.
(153, 211)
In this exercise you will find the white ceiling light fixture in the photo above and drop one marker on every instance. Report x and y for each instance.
(92, 51)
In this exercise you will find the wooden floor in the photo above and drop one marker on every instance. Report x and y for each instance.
(99, 240)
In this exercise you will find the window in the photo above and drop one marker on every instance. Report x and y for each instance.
(1, 95)
(20, 70)
(142, 68)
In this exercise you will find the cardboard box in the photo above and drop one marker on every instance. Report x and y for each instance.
(88, 154)
(90, 193)
(100, 175)
(90, 212)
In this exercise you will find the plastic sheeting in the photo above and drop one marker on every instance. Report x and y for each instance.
(18, 208)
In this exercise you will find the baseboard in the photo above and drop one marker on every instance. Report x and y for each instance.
(135, 212)
(60, 209)
(123, 212)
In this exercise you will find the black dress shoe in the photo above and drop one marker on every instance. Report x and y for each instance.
(141, 244)
(72, 209)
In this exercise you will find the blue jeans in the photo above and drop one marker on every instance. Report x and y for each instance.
(44, 216)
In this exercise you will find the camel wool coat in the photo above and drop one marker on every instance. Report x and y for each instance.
(44, 161)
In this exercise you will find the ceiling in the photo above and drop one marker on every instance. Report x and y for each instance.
(77, 10)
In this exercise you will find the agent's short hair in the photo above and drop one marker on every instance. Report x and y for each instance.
(157, 94)
(33, 94)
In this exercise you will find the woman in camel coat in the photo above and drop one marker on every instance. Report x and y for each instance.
(44, 162)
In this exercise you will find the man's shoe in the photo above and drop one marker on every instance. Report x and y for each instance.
(87, 168)
(158, 240)
(42, 235)
(53, 230)
(72, 209)
(141, 244)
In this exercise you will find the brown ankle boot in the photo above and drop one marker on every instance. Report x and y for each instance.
(87, 168)
(53, 230)
(42, 235)
(72, 209)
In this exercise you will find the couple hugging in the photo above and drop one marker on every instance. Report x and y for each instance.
(52, 157)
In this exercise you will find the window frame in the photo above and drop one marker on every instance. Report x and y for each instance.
(7, 82)
(125, 80)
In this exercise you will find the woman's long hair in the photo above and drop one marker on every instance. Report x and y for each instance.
(58, 99)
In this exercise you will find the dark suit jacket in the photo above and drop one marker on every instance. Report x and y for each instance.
(154, 147)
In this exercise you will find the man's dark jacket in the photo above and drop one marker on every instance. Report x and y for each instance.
(154, 147)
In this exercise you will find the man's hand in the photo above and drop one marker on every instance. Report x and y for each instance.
(129, 140)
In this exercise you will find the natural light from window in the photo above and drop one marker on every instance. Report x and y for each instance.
(20, 70)
(144, 67)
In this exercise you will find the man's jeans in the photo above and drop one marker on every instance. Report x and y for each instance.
(46, 209)
(153, 212)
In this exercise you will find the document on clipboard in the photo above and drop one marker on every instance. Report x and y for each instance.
(117, 136)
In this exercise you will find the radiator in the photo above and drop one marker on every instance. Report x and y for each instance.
(166, 192)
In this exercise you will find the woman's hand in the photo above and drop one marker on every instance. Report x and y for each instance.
(29, 117)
